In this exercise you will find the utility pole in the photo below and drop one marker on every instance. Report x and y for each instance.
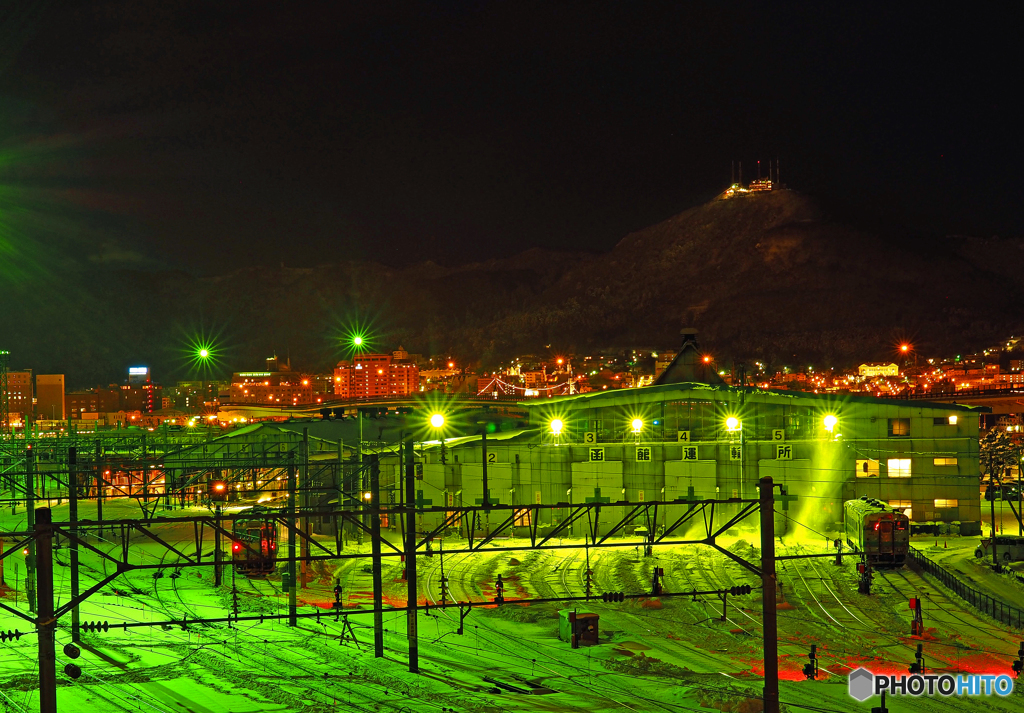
(76, 615)
(5, 407)
(216, 547)
(486, 497)
(45, 623)
(378, 586)
(100, 467)
(292, 524)
(304, 476)
(483, 450)
(768, 611)
(410, 558)
(30, 513)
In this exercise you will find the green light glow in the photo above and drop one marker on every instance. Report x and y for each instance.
(202, 353)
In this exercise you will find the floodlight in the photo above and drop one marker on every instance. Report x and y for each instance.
(437, 420)
(638, 425)
(556, 426)
(830, 422)
(204, 353)
(732, 424)
(357, 341)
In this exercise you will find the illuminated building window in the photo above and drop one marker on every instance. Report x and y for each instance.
(944, 503)
(899, 426)
(944, 461)
(898, 467)
(867, 468)
(899, 503)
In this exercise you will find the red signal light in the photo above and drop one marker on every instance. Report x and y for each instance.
(236, 547)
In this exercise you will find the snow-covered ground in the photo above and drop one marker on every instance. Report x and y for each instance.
(658, 654)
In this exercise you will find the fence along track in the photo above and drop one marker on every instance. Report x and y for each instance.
(1001, 612)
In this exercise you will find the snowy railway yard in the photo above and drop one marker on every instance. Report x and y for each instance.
(664, 653)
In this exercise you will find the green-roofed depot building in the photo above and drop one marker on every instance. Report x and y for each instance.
(702, 437)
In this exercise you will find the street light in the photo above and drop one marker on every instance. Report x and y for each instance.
(437, 420)
(732, 424)
(830, 422)
(556, 426)
(638, 425)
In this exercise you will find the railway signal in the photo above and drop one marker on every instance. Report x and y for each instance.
(659, 572)
(811, 668)
(864, 585)
(499, 591)
(918, 665)
(917, 625)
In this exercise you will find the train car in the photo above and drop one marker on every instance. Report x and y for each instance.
(876, 530)
(255, 529)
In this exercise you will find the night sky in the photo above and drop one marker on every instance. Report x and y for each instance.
(209, 136)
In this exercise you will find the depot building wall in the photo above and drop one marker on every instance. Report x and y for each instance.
(908, 454)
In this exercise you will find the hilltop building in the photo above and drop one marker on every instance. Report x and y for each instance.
(878, 369)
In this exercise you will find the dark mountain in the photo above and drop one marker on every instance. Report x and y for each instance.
(776, 277)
